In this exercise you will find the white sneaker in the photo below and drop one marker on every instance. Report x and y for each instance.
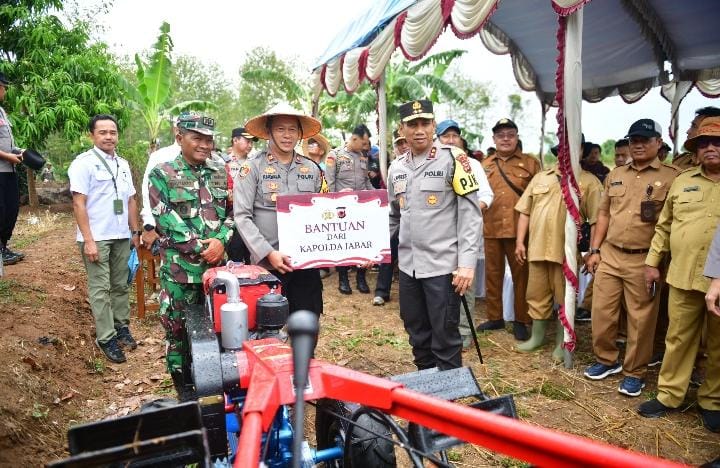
(378, 301)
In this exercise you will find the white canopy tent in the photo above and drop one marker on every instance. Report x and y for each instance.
(563, 50)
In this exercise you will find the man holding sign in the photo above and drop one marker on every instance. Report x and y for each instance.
(432, 185)
(278, 171)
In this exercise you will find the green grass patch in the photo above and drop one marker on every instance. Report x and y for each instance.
(96, 365)
(555, 392)
(12, 292)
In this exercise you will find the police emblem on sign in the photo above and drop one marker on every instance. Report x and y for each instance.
(341, 212)
(327, 215)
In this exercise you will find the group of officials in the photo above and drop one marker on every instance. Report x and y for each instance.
(648, 222)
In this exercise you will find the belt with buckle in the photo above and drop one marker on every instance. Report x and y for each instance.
(631, 251)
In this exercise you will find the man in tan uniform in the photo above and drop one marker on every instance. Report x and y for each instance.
(542, 209)
(685, 231)
(687, 159)
(509, 171)
(631, 202)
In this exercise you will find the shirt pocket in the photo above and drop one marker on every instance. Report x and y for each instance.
(104, 182)
(184, 203)
(432, 191)
(540, 190)
(687, 204)
(306, 185)
(270, 192)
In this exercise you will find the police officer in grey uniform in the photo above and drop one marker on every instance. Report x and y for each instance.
(347, 169)
(10, 157)
(433, 185)
(278, 171)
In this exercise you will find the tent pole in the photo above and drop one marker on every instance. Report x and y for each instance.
(543, 117)
(382, 124)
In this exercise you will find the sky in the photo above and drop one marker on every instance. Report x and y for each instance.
(223, 31)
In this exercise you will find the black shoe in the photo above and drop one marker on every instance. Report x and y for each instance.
(653, 409)
(343, 282)
(361, 283)
(112, 350)
(492, 325)
(582, 315)
(520, 331)
(19, 255)
(710, 419)
(656, 359)
(125, 339)
(9, 258)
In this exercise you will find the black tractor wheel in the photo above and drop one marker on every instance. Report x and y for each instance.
(366, 449)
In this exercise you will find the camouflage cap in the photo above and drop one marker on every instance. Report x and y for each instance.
(197, 123)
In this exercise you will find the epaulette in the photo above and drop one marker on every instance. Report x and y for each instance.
(672, 166)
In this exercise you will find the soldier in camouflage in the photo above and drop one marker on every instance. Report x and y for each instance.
(188, 198)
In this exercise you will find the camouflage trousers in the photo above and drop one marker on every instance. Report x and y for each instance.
(174, 299)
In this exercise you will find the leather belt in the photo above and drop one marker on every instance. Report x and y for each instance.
(631, 251)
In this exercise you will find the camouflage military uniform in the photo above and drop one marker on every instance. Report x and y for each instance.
(189, 204)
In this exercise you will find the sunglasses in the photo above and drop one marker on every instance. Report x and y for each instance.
(704, 142)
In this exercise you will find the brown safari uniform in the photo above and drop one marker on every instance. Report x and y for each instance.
(500, 230)
(685, 229)
(684, 161)
(543, 202)
(621, 274)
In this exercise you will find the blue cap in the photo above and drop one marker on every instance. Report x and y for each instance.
(446, 125)
(374, 150)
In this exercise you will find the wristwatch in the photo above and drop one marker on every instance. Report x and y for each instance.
(148, 227)
(594, 251)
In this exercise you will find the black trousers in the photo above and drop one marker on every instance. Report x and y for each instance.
(430, 311)
(236, 249)
(9, 205)
(385, 273)
(303, 289)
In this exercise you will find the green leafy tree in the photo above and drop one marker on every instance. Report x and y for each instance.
(149, 97)
(516, 107)
(608, 153)
(472, 112)
(60, 79)
(266, 80)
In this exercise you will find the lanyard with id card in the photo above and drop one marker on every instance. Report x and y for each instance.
(117, 202)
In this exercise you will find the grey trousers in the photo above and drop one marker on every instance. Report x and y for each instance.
(430, 311)
(108, 287)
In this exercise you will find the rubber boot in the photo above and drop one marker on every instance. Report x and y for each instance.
(537, 337)
(558, 353)
(361, 283)
(344, 283)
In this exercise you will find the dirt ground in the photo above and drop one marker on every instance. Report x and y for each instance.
(52, 376)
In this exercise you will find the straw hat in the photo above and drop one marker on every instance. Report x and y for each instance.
(257, 126)
(709, 126)
(322, 141)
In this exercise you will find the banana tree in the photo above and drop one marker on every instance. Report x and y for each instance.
(150, 96)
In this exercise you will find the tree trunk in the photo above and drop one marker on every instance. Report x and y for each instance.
(32, 193)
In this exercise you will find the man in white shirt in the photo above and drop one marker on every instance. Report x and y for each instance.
(105, 210)
(449, 133)
(163, 155)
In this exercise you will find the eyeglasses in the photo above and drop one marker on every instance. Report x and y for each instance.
(313, 143)
(704, 142)
(506, 135)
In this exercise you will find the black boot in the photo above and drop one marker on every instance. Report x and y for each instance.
(344, 283)
(361, 283)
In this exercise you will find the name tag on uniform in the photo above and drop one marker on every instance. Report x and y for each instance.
(617, 182)
(181, 183)
(694, 188)
(218, 181)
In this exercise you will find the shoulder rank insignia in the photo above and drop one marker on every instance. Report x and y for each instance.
(464, 181)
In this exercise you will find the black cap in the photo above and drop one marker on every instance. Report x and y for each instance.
(240, 132)
(504, 123)
(419, 109)
(3, 80)
(647, 128)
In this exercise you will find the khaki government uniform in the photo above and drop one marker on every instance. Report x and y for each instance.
(500, 227)
(685, 230)
(621, 274)
(543, 203)
(439, 231)
(685, 160)
(257, 186)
